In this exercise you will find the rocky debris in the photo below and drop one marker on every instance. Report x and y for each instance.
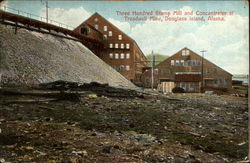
(31, 58)
(95, 87)
(70, 91)
(195, 129)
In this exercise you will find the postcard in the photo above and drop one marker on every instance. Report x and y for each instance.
(124, 81)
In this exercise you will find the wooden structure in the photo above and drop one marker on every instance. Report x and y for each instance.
(19, 21)
(120, 51)
(184, 68)
(166, 87)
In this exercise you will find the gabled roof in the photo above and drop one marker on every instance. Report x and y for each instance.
(97, 14)
(169, 58)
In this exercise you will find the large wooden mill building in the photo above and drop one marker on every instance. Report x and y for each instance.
(190, 71)
(119, 50)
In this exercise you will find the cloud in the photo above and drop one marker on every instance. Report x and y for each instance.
(123, 26)
(226, 42)
(72, 17)
(3, 3)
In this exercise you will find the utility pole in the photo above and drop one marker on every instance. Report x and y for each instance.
(152, 71)
(47, 10)
(202, 72)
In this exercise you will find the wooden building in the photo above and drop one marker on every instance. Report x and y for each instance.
(120, 51)
(185, 69)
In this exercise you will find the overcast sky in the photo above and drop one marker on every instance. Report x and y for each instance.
(226, 42)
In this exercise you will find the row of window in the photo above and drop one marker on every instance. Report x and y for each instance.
(185, 63)
(105, 28)
(221, 81)
(110, 33)
(116, 45)
(189, 86)
(119, 56)
(211, 70)
(121, 68)
(169, 71)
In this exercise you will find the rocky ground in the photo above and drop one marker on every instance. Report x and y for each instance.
(177, 128)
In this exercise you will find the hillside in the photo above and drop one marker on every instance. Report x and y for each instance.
(28, 58)
(158, 58)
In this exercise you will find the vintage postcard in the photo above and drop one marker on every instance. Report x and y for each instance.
(124, 81)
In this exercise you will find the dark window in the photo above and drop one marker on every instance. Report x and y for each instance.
(84, 31)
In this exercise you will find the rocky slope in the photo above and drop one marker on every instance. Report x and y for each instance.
(28, 58)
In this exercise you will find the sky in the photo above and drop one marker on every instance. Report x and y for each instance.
(226, 42)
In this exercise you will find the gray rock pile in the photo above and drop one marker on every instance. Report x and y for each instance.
(30, 58)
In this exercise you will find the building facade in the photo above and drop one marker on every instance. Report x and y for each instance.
(185, 69)
(119, 50)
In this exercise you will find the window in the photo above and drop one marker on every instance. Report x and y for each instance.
(208, 71)
(96, 19)
(116, 46)
(105, 28)
(110, 33)
(96, 26)
(185, 52)
(84, 31)
(122, 56)
(191, 86)
(119, 37)
(127, 46)
(182, 85)
(193, 63)
(172, 62)
(110, 55)
(110, 45)
(116, 56)
(182, 62)
(127, 55)
(127, 68)
(177, 62)
(105, 37)
(122, 46)
(122, 68)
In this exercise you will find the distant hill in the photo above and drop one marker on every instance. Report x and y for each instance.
(158, 58)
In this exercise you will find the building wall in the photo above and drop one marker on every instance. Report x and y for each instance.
(120, 51)
(213, 75)
(90, 32)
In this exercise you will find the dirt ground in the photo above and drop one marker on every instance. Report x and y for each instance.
(176, 128)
